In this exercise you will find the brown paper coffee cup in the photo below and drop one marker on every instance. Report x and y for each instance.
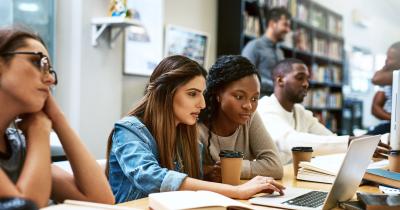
(300, 154)
(231, 166)
(394, 161)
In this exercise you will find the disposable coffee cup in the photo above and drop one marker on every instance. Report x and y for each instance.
(394, 161)
(300, 154)
(231, 166)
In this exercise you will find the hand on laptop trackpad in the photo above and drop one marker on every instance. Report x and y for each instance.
(272, 195)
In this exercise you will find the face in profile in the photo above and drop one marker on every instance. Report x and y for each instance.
(239, 100)
(296, 83)
(392, 59)
(281, 28)
(188, 101)
(22, 80)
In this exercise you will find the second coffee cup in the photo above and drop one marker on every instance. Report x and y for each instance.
(300, 154)
(394, 160)
(231, 166)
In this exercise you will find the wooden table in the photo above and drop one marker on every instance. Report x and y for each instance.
(287, 180)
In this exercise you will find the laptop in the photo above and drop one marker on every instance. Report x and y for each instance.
(350, 174)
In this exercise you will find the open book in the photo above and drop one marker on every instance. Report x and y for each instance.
(83, 205)
(325, 168)
(193, 200)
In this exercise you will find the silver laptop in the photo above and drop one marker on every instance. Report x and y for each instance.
(350, 174)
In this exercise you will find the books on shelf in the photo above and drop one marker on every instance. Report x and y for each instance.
(320, 46)
(334, 25)
(335, 50)
(251, 25)
(318, 19)
(323, 98)
(193, 200)
(326, 74)
(278, 3)
(302, 12)
(325, 168)
(302, 40)
(383, 176)
(83, 205)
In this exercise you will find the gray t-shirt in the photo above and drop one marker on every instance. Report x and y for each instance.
(264, 54)
(12, 162)
(261, 157)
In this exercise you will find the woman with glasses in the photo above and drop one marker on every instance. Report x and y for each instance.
(26, 76)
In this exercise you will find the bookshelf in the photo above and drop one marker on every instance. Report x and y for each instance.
(316, 38)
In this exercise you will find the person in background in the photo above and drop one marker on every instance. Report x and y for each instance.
(264, 52)
(26, 76)
(230, 121)
(288, 122)
(381, 109)
(155, 148)
(382, 101)
(385, 75)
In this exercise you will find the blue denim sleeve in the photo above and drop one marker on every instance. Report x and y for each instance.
(139, 163)
(201, 149)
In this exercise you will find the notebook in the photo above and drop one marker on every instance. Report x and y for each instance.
(177, 200)
(348, 178)
(84, 205)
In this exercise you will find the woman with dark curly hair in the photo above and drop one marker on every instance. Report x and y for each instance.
(155, 148)
(229, 121)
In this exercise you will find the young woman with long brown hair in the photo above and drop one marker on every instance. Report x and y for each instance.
(155, 148)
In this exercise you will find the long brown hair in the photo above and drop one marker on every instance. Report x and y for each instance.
(155, 111)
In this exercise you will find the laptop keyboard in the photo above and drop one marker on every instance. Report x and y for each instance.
(312, 199)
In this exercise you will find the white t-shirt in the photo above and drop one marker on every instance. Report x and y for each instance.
(297, 128)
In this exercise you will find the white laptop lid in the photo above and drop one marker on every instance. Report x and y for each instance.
(350, 174)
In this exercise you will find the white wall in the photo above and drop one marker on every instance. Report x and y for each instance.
(382, 31)
(200, 15)
(92, 90)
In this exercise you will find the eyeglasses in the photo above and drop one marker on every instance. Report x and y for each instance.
(43, 64)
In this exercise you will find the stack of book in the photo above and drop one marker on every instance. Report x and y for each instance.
(325, 168)
(383, 176)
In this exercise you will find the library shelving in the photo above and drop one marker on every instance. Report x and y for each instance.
(315, 38)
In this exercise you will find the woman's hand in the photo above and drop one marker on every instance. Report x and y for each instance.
(213, 173)
(35, 123)
(51, 108)
(259, 184)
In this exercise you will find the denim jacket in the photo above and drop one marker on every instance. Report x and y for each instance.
(134, 165)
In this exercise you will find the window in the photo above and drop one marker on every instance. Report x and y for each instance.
(38, 15)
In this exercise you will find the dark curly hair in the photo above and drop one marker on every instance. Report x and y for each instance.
(226, 69)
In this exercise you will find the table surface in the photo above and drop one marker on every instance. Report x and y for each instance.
(287, 180)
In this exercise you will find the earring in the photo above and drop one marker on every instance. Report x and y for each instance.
(218, 98)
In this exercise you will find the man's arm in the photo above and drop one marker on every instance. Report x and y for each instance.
(377, 106)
